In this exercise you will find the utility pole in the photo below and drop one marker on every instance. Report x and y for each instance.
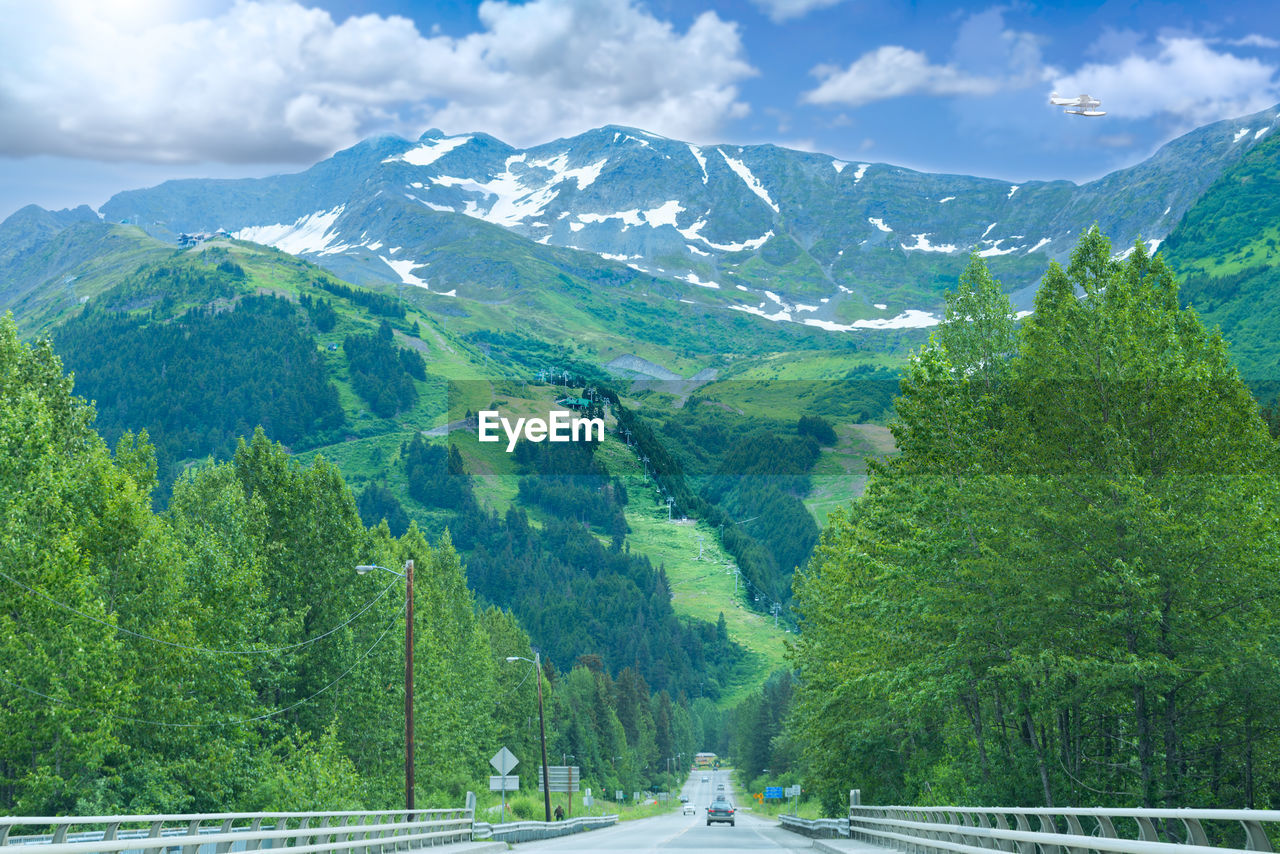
(408, 686)
(542, 729)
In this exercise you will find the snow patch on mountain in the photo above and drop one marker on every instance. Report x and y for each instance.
(838, 165)
(862, 170)
(910, 319)
(752, 182)
(691, 233)
(994, 249)
(947, 199)
(880, 305)
(1012, 189)
(308, 234)
(429, 152)
(879, 223)
(702, 161)
(404, 269)
(1042, 242)
(1257, 136)
(1240, 134)
(693, 279)
(988, 231)
(759, 312)
(922, 244)
(559, 167)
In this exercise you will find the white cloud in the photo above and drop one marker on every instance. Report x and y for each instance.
(1255, 40)
(277, 82)
(782, 10)
(1185, 77)
(986, 59)
(889, 72)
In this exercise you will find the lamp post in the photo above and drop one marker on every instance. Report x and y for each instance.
(407, 575)
(542, 727)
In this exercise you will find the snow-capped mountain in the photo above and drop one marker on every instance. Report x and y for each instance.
(788, 235)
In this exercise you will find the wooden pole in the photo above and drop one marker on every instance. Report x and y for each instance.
(408, 686)
(542, 727)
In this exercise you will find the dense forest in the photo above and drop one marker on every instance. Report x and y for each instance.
(1065, 589)
(203, 378)
(609, 606)
(224, 654)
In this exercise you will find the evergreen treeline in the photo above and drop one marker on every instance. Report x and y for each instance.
(383, 373)
(169, 288)
(608, 604)
(225, 656)
(1064, 589)
(202, 379)
(437, 477)
(383, 305)
(320, 311)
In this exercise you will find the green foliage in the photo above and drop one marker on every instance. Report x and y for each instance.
(202, 380)
(321, 312)
(377, 503)
(1064, 588)
(382, 373)
(436, 476)
(379, 304)
(818, 428)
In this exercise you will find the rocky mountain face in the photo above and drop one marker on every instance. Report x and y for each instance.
(786, 235)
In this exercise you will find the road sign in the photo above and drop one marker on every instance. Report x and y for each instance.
(563, 778)
(617, 795)
(503, 761)
(773, 792)
(793, 791)
(505, 783)
(635, 796)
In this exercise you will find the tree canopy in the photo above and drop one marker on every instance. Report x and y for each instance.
(1065, 588)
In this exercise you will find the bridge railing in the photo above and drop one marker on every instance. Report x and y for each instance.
(369, 832)
(526, 831)
(977, 830)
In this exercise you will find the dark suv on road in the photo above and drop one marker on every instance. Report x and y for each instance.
(720, 810)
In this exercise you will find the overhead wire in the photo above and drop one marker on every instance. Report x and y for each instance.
(129, 719)
(207, 650)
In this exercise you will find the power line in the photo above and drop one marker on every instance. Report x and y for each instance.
(127, 719)
(108, 624)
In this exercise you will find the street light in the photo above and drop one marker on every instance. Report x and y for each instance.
(542, 727)
(407, 575)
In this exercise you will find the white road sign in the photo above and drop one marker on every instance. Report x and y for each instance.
(503, 761)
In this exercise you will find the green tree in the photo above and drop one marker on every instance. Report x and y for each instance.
(1055, 593)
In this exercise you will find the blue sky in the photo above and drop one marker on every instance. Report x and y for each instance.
(97, 97)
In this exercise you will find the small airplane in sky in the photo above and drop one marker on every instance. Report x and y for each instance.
(1084, 105)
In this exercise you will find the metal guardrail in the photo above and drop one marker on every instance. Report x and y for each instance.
(817, 828)
(370, 832)
(527, 831)
(977, 830)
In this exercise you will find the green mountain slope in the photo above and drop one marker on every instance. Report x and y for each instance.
(1225, 249)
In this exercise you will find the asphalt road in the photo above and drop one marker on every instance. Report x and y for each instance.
(676, 832)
